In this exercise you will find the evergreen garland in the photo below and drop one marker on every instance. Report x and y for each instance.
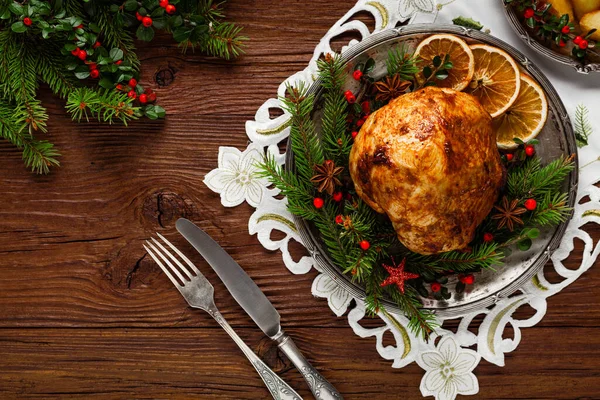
(84, 51)
(359, 240)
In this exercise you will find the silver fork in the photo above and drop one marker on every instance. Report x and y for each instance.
(199, 293)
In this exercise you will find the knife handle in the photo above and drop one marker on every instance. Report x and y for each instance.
(277, 386)
(319, 386)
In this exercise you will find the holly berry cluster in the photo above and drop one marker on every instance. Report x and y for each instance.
(558, 30)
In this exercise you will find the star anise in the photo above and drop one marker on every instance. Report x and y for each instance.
(390, 88)
(508, 214)
(326, 176)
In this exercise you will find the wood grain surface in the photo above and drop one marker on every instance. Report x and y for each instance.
(84, 314)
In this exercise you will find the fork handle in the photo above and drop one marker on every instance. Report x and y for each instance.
(277, 386)
(319, 386)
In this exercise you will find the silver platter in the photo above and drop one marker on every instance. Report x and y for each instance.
(592, 65)
(557, 138)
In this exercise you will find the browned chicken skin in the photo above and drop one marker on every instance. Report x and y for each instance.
(429, 161)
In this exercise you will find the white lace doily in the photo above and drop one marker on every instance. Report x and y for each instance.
(449, 364)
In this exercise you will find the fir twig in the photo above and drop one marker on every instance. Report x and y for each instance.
(403, 63)
(104, 105)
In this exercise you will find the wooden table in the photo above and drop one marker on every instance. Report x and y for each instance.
(84, 313)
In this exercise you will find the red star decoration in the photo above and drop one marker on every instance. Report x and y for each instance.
(397, 275)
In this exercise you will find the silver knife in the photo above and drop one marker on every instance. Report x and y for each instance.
(255, 303)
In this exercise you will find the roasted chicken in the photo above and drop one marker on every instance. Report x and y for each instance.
(429, 161)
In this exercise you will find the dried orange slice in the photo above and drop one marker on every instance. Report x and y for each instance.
(526, 116)
(460, 56)
(496, 80)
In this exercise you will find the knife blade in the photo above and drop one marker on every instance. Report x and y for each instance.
(255, 303)
(240, 285)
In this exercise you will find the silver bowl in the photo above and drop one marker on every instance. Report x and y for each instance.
(557, 138)
(535, 43)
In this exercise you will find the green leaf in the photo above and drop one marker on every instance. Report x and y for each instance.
(115, 54)
(16, 8)
(94, 27)
(5, 14)
(160, 111)
(181, 34)
(427, 72)
(467, 23)
(441, 74)
(518, 141)
(437, 61)
(70, 46)
(106, 83)
(82, 74)
(131, 5)
(159, 23)
(524, 244)
(18, 27)
(369, 65)
(532, 233)
(145, 34)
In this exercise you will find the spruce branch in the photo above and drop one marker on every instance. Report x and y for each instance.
(224, 40)
(336, 141)
(402, 63)
(102, 104)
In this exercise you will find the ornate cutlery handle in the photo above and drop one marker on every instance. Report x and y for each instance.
(277, 386)
(319, 386)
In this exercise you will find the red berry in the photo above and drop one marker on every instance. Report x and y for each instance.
(529, 150)
(132, 82)
(509, 157)
(364, 245)
(318, 202)
(92, 66)
(27, 21)
(354, 134)
(163, 3)
(339, 219)
(75, 52)
(562, 43)
(151, 97)
(360, 122)
(80, 26)
(357, 74)
(366, 107)
(94, 73)
(529, 13)
(488, 237)
(577, 39)
(96, 45)
(170, 9)
(436, 287)
(82, 54)
(530, 204)
(118, 62)
(338, 196)
(131, 94)
(348, 93)
(147, 22)
(583, 44)
(468, 279)
(351, 99)
(143, 98)
(119, 87)
(139, 16)
(566, 29)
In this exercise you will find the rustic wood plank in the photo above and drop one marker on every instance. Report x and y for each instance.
(167, 363)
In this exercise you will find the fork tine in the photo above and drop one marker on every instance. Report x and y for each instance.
(173, 258)
(162, 266)
(180, 254)
(166, 260)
